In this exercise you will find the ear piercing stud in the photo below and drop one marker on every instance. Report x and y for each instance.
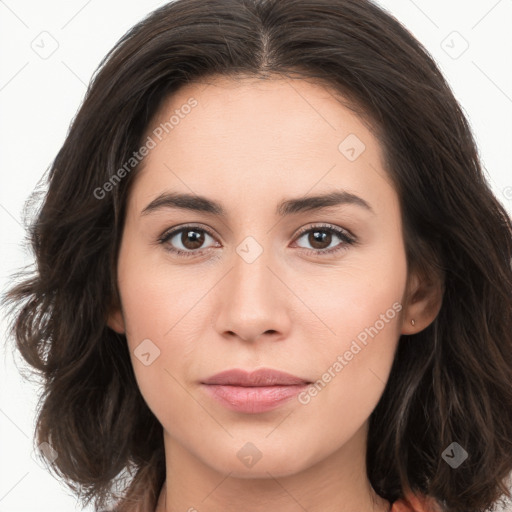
(413, 322)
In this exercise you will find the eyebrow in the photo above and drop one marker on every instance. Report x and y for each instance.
(287, 207)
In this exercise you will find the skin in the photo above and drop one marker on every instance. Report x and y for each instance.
(249, 144)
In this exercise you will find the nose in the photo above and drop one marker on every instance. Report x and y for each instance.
(252, 300)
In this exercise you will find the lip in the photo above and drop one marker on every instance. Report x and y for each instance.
(257, 378)
(253, 392)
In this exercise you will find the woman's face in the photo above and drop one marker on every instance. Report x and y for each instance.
(267, 283)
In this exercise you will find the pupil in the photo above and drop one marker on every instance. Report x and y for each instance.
(193, 239)
(318, 237)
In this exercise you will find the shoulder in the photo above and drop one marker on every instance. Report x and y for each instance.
(415, 503)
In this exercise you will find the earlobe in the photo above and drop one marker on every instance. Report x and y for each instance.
(115, 320)
(423, 303)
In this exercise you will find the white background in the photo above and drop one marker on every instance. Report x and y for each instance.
(39, 97)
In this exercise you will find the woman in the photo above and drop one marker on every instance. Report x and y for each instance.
(271, 274)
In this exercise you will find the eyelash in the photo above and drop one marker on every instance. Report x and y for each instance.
(344, 235)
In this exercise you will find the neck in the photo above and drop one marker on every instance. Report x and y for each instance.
(337, 483)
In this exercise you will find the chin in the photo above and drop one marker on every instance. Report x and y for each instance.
(245, 460)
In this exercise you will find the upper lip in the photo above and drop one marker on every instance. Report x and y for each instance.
(261, 377)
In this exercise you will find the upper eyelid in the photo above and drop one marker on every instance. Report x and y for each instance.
(172, 231)
(326, 227)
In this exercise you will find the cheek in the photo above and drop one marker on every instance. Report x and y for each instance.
(157, 294)
(160, 310)
(362, 293)
(162, 340)
(161, 319)
(361, 315)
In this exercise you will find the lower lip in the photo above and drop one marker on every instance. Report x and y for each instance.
(253, 399)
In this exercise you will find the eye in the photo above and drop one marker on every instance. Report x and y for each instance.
(185, 241)
(189, 240)
(321, 238)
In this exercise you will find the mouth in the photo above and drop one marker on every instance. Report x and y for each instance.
(256, 392)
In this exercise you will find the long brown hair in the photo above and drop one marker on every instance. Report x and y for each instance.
(452, 382)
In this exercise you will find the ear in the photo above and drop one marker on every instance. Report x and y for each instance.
(115, 319)
(424, 297)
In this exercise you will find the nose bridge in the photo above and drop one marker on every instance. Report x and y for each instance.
(250, 301)
(252, 281)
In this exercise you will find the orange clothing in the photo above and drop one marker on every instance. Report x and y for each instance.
(415, 503)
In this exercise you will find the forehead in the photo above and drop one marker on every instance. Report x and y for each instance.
(275, 111)
(258, 137)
